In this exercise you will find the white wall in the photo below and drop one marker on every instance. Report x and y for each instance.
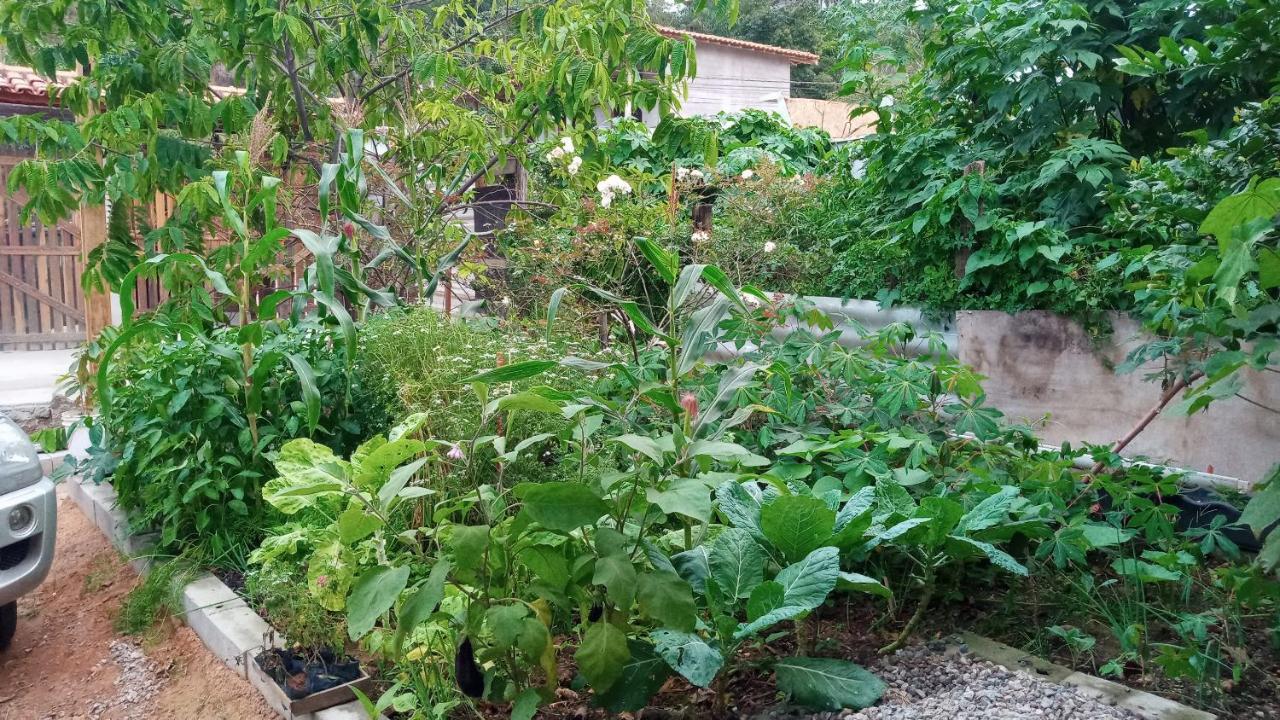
(1044, 368)
(731, 79)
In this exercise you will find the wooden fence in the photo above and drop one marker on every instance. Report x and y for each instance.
(42, 306)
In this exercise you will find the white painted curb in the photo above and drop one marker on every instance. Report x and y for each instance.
(222, 619)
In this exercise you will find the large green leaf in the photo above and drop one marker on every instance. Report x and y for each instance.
(372, 595)
(512, 372)
(641, 678)
(1260, 201)
(998, 557)
(618, 575)
(668, 599)
(308, 471)
(797, 524)
(375, 468)
(736, 563)
(561, 506)
(689, 655)
(646, 446)
(602, 655)
(662, 260)
(828, 684)
(683, 496)
(422, 603)
(805, 585)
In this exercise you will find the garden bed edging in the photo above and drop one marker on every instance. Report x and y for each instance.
(224, 622)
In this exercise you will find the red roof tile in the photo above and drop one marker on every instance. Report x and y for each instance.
(23, 84)
(795, 56)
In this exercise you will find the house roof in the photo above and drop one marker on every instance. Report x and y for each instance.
(23, 85)
(797, 57)
(830, 115)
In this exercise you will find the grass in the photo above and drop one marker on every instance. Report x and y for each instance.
(156, 597)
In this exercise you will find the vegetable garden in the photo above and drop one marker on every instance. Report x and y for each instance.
(645, 471)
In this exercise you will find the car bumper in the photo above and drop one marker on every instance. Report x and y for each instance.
(26, 555)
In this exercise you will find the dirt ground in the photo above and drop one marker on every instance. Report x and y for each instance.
(67, 661)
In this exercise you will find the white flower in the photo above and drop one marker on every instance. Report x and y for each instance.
(506, 301)
(696, 174)
(574, 164)
(614, 184)
(606, 199)
(682, 174)
(566, 143)
(555, 154)
(700, 236)
(770, 246)
(748, 174)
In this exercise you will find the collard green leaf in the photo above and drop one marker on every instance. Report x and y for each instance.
(736, 563)
(828, 684)
(689, 655)
(861, 583)
(797, 524)
(805, 586)
(694, 567)
(767, 597)
(561, 506)
(372, 595)
(998, 557)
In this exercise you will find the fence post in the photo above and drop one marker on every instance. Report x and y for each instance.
(97, 302)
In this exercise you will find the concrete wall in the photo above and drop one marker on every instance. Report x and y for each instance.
(731, 79)
(1038, 363)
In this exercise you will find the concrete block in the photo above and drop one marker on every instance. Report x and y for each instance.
(1142, 704)
(350, 711)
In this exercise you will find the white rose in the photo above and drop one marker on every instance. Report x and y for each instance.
(606, 199)
(748, 174)
(574, 165)
(567, 144)
(770, 246)
(555, 154)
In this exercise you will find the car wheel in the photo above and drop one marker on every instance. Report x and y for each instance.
(8, 623)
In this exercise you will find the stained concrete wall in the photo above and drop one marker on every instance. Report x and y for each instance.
(1046, 370)
(731, 79)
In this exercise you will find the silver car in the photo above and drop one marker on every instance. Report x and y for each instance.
(28, 523)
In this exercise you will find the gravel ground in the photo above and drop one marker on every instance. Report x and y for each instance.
(137, 683)
(924, 683)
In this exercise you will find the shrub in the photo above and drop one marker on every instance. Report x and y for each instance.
(185, 462)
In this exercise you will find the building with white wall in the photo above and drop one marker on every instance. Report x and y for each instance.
(735, 75)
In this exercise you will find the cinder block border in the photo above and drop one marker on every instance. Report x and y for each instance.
(222, 619)
(1143, 704)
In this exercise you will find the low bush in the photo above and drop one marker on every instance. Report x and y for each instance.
(176, 434)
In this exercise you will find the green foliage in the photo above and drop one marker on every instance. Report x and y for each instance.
(187, 463)
(985, 183)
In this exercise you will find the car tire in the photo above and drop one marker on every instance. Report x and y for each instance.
(8, 624)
